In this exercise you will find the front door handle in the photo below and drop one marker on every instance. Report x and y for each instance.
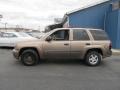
(66, 44)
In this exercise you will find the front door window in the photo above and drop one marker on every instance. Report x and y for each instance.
(61, 35)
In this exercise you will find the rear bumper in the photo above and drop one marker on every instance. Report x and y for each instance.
(16, 53)
(108, 54)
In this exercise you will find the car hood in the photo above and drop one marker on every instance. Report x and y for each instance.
(29, 43)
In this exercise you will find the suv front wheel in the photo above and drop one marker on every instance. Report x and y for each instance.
(29, 57)
(93, 58)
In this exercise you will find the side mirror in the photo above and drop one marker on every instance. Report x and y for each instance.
(49, 38)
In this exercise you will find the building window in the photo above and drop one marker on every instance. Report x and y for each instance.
(116, 5)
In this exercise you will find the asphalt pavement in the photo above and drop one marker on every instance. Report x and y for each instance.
(58, 75)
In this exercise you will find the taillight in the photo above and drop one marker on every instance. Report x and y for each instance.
(110, 46)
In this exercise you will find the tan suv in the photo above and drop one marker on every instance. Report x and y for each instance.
(91, 45)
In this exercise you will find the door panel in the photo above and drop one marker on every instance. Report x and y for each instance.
(4, 41)
(80, 42)
(13, 40)
(8, 39)
(78, 48)
(59, 46)
(56, 49)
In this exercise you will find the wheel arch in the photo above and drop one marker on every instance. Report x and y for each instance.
(99, 50)
(32, 48)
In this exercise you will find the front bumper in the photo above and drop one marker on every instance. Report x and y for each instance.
(16, 53)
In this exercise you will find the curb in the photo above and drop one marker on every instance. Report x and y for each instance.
(115, 52)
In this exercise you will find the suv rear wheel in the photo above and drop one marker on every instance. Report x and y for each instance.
(93, 58)
(29, 57)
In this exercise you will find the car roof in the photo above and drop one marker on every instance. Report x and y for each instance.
(73, 28)
(78, 28)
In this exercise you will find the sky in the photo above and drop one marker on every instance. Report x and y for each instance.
(36, 14)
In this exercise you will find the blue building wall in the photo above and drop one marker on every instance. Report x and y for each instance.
(101, 17)
(118, 32)
(90, 18)
(112, 27)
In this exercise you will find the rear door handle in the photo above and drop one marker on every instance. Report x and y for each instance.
(87, 43)
(66, 44)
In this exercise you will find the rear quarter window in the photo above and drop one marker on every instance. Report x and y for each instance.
(99, 35)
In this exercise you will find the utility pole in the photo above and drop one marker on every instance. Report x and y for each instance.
(39, 28)
(6, 27)
(17, 28)
(1, 16)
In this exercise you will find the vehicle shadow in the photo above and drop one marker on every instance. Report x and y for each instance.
(56, 62)
(47, 63)
(63, 62)
(69, 62)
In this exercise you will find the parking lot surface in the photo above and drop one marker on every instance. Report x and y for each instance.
(58, 75)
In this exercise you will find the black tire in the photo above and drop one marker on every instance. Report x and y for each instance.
(93, 61)
(29, 57)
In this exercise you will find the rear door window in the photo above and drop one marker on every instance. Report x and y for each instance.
(99, 35)
(79, 34)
